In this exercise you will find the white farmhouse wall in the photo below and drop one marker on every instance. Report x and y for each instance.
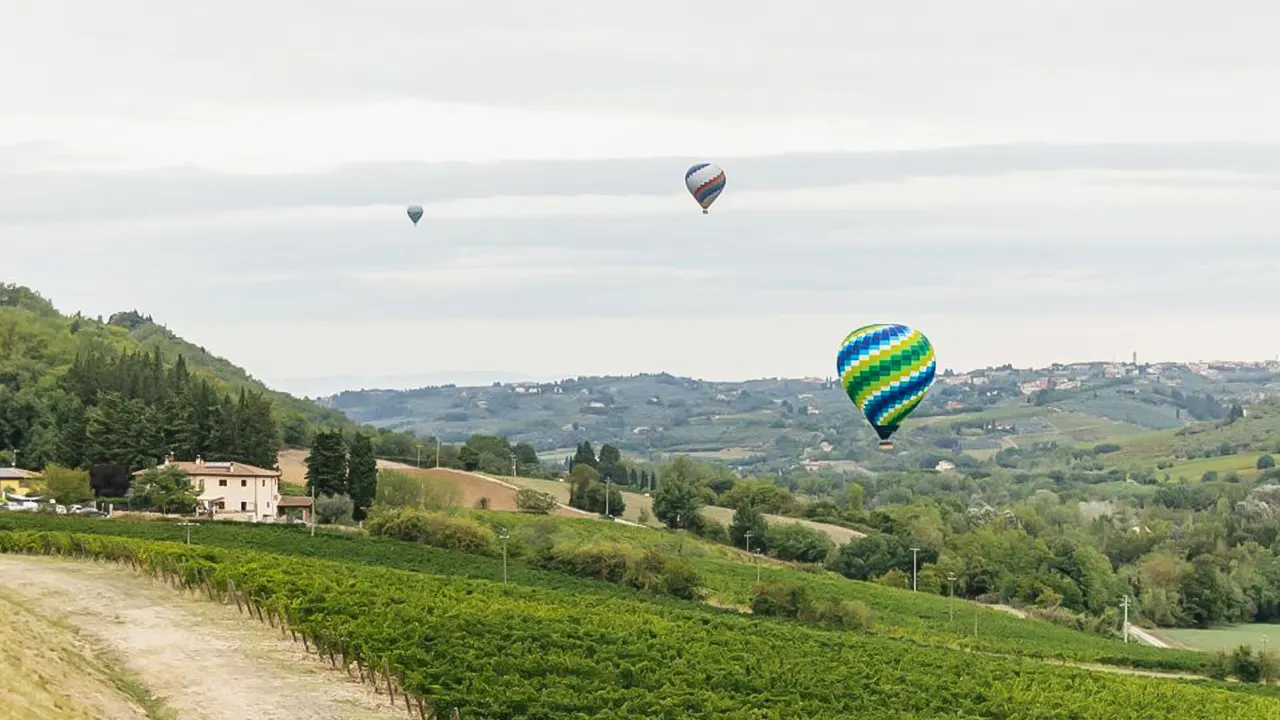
(257, 497)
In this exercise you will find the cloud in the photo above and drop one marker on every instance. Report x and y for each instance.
(27, 197)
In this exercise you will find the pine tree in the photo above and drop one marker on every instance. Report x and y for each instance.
(362, 474)
(257, 436)
(223, 431)
(327, 463)
(586, 455)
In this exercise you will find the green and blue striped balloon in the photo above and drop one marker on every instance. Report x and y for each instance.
(886, 370)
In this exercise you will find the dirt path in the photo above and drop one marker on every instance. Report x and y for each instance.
(205, 660)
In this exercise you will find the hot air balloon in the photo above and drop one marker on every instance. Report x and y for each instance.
(705, 182)
(415, 213)
(885, 370)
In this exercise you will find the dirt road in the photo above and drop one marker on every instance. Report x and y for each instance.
(203, 660)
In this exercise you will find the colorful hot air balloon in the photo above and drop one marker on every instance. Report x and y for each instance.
(705, 182)
(886, 370)
(415, 213)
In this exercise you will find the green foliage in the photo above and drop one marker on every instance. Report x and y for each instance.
(1265, 462)
(748, 519)
(760, 494)
(487, 454)
(678, 501)
(919, 617)
(585, 455)
(64, 485)
(793, 541)
(420, 492)
(362, 475)
(627, 658)
(434, 529)
(713, 531)
(79, 392)
(620, 564)
(334, 509)
(167, 489)
(586, 492)
(533, 501)
(327, 463)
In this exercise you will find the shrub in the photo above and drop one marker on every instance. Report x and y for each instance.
(844, 615)
(1220, 668)
(334, 509)
(617, 563)
(399, 489)
(534, 501)
(432, 528)
(793, 541)
(482, 503)
(788, 599)
(1245, 665)
(1266, 462)
(714, 531)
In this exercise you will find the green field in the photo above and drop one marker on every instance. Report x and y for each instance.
(494, 651)
(636, 502)
(727, 574)
(1244, 465)
(1223, 638)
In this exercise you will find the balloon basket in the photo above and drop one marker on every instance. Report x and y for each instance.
(704, 212)
(885, 446)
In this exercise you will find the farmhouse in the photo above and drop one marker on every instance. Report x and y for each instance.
(232, 488)
(15, 481)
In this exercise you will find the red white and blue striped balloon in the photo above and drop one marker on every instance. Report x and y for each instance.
(705, 182)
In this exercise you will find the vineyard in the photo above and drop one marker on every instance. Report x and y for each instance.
(439, 644)
(919, 617)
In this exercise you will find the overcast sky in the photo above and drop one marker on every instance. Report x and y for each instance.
(1025, 182)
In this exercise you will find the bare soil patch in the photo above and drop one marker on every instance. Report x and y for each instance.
(202, 658)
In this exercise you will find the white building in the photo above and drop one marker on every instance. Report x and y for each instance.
(232, 488)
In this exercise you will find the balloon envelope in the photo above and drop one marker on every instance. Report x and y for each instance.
(705, 182)
(415, 213)
(885, 370)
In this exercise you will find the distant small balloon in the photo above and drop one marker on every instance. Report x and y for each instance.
(886, 371)
(415, 213)
(705, 182)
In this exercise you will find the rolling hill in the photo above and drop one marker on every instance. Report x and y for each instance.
(776, 423)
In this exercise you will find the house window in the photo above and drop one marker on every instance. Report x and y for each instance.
(243, 506)
(264, 482)
(244, 483)
(222, 483)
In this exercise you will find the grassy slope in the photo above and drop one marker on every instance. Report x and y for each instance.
(1252, 436)
(1222, 638)
(728, 574)
(47, 672)
(552, 655)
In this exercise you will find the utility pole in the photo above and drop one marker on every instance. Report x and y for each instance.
(502, 535)
(748, 536)
(419, 447)
(313, 511)
(913, 568)
(608, 483)
(951, 603)
(188, 526)
(513, 466)
(437, 451)
(1125, 604)
(758, 554)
